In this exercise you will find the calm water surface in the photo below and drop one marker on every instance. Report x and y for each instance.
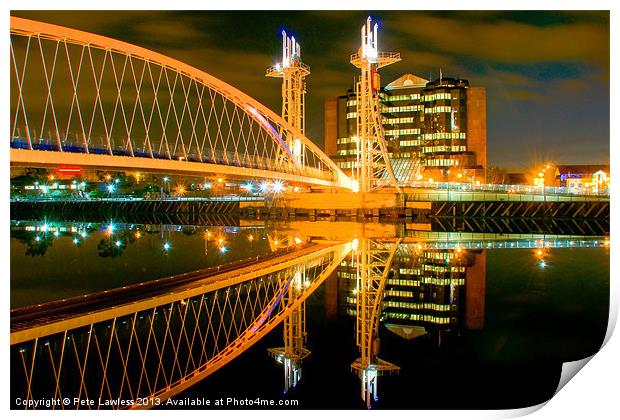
(511, 316)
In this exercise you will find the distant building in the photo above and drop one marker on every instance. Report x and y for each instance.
(436, 129)
(582, 176)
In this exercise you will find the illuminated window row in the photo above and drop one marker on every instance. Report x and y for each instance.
(417, 305)
(404, 120)
(438, 255)
(396, 109)
(402, 131)
(443, 268)
(418, 317)
(346, 275)
(347, 152)
(442, 282)
(410, 97)
(403, 282)
(437, 109)
(436, 96)
(352, 102)
(444, 136)
(351, 115)
(415, 271)
(410, 143)
(346, 165)
(400, 293)
(435, 149)
(442, 162)
(345, 140)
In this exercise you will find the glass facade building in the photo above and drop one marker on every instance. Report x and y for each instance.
(435, 130)
(428, 291)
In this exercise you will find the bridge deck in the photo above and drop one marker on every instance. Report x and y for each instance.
(38, 158)
(48, 318)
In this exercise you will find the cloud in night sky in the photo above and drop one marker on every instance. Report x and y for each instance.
(546, 73)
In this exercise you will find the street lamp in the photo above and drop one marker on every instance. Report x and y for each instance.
(167, 182)
(248, 187)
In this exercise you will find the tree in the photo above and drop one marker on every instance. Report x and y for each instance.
(496, 175)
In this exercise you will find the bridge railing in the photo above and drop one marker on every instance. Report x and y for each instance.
(218, 157)
(125, 198)
(505, 188)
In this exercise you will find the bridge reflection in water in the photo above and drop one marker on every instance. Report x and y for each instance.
(159, 346)
(153, 340)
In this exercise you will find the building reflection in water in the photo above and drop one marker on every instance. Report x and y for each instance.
(428, 291)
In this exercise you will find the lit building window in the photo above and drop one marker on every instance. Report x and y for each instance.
(402, 131)
(404, 143)
(437, 110)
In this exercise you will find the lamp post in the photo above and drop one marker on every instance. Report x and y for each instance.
(166, 183)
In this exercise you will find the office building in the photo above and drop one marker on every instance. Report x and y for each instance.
(429, 291)
(434, 130)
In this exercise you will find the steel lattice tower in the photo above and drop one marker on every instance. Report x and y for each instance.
(293, 73)
(373, 161)
(373, 260)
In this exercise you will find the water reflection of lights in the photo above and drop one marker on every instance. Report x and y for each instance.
(118, 243)
(167, 246)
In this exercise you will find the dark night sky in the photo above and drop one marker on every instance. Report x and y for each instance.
(546, 73)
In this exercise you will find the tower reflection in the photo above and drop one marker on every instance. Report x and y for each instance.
(421, 290)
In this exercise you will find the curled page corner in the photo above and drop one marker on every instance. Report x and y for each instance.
(519, 412)
(570, 369)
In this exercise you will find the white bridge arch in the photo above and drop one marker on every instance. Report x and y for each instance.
(89, 100)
